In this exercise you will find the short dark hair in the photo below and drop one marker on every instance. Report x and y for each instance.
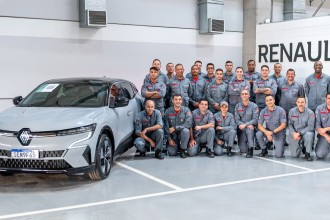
(178, 64)
(327, 94)
(239, 67)
(268, 96)
(291, 70)
(169, 63)
(156, 60)
(301, 97)
(219, 69)
(200, 101)
(176, 95)
(264, 66)
(251, 61)
(198, 61)
(154, 68)
(228, 61)
(210, 64)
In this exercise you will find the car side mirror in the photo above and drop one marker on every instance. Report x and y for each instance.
(17, 100)
(121, 102)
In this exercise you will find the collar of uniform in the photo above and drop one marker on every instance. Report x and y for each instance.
(314, 75)
(274, 75)
(200, 113)
(145, 113)
(230, 74)
(157, 81)
(275, 107)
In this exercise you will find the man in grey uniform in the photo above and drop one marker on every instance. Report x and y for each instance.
(252, 75)
(301, 123)
(275, 120)
(155, 90)
(235, 87)
(179, 85)
(148, 127)
(317, 86)
(217, 91)
(228, 76)
(177, 127)
(199, 64)
(202, 130)
(225, 129)
(197, 88)
(322, 127)
(210, 73)
(278, 77)
(170, 74)
(264, 86)
(246, 116)
(289, 91)
(162, 77)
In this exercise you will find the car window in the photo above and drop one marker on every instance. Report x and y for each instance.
(67, 94)
(115, 93)
(134, 89)
(127, 90)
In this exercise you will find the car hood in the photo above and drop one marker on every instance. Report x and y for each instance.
(47, 118)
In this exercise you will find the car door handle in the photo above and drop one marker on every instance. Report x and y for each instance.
(129, 113)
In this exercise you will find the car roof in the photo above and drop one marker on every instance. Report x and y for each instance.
(84, 79)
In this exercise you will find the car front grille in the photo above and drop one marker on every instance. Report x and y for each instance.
(34, 164)
(42, 154)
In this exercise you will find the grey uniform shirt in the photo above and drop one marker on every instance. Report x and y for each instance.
(273, 118)
(199, 119)
(217, 93)
(144, 121)
(189, 75)
(162, 78)
(228, 78)
(322, 115)
(252, 76)
(234, 90)
(279, 79)
(261, 83)
(179, 120)
(158, 86)
(228, 123)
(197, 90)
(246, 114)
(289, 93)
(209, 80)
(316, 89)
(181, 87)
(301, 121)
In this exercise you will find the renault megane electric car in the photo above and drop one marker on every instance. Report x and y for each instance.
(69, 126)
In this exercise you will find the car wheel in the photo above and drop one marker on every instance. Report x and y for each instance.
(103, 159)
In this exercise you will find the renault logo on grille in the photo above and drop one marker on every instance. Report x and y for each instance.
(24, 136)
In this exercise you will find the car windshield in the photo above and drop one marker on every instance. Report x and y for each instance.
(68, 94)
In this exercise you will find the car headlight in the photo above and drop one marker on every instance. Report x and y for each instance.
(79, 130)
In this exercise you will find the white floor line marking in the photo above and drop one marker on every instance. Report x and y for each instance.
(287, 164)
(149, 176)
(155, 194)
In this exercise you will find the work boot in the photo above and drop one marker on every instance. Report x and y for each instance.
(210, 153)
(270, 146)
(286, 143)
(263, 153)
(250, 152)
(183, 153)
(159, 155)
(303, 150)
(229, 153)
(257, 147)
(308, 157)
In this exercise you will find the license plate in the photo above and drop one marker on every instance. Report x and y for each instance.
(24, 154)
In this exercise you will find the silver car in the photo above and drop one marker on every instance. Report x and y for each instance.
(69, 126)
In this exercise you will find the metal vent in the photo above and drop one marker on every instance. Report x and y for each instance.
(216, 26)
(96, 18)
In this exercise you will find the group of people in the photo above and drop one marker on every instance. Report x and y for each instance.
(184, 114)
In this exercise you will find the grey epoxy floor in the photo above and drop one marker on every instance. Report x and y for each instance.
(175, 188)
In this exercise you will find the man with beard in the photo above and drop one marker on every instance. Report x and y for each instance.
(322, 127)
(179, 85)
(197, 88)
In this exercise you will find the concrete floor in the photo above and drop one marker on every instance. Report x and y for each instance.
(175, 188)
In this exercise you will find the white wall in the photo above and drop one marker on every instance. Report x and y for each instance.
(41, 39)
(304, 30)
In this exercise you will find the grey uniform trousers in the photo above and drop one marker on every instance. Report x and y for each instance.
(295, 147)
(207, 137)
(228, 137)
(181, 140)
(245, 139)
(322, 147)
(156, 136)
(278, 140)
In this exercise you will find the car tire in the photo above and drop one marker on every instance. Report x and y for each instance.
(103, 159)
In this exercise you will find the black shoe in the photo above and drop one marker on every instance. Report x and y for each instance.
(229, 153)
(210, 153)
(263, 153)
(183, 153)
(286, 143)
(159, 155)
(250, 152)
(270, 146)
(308, 157)
(142, 154)
(235, 142)
(303, 150)
(257, 147)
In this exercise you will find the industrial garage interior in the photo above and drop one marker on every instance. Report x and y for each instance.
(47, 39)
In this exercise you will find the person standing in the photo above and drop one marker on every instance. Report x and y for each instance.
(252, 75)
(202, 130)
(225, 129)
(317, 85)
(199, 64)
(217, 91)
(228, 75)
(148, 127)
(177, 127)
(179, 85)
(301, 123)
(210, 73)
(274, 130)
(246, 116)
(169, 75)
(197, 88)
